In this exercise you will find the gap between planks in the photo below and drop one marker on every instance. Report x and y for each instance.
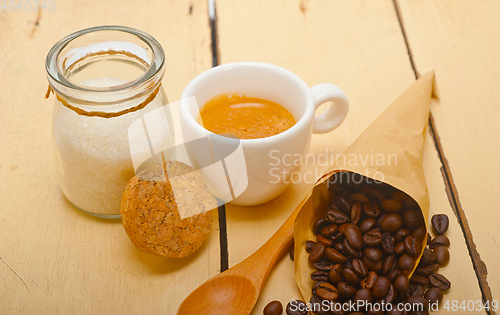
(224, 254)
(451, 189)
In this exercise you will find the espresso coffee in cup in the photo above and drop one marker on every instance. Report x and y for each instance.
(245, 117)
(241, 172)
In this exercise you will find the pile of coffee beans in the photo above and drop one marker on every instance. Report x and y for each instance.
(366, 245)
(368, 242)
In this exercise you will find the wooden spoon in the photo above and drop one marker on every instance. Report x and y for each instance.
(236, 290)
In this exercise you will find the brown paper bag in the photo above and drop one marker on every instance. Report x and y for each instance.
(397, 135)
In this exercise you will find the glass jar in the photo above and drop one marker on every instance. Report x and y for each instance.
(105, 78)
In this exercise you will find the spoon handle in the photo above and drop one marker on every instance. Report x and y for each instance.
(264, 259)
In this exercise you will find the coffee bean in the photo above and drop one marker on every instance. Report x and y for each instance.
(374, 254)
(364, 295)
(441, 240)
(273, 308)
(413, 246)
(440, 223)
(329, 231)
(426, 271)
(401, 283)
(313, 290)
(411, 219)
(340, 248)
(367, 225)
(356, 212)
(400, 249)
(319, 224)
(410, 203)
(380, 218)
(381, 287)
(337, 217)
(359, 267)
(406, 262)
(294, 308)
(326, 291)
(345, 291)
(368, 282)
(335, 274)
(344, 204)
(371, 209)
(317, 306)
(442, 255)
(373, 265)
(335, 256)
(337, 238)
(394, 274)
(375, 194)
(420, 232)
(317, 253)
(440, 281)
(387, 243)
(391, 223)
(320, 275)
(372, 238)
(321, 239)
(429, 238)
(390, 205)
(416, 279)
(309, 246)
(354, 237)
(401, 235)
(390, 263)
(415, 299)
(428, 257)
(434, 295)
(414, 289)
(323, 265)
(350, 276)
(358, 197)
(391, 295)
(351, 252)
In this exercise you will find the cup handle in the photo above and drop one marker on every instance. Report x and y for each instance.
(336, 113)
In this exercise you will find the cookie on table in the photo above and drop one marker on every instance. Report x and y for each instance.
(150, 212)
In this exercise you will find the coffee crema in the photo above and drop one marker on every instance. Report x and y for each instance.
(245, 117)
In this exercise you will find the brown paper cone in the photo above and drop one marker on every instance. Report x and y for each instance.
(397, 136)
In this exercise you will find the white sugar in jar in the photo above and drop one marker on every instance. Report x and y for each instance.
(107, 81)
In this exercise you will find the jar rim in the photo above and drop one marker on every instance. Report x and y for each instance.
(56, 76)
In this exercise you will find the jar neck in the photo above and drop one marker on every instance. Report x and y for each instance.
(113, 54)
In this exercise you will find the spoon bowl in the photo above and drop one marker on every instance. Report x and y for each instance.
(228, 294)
(236, 290)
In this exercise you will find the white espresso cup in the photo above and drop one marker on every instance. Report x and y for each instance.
(261, 177)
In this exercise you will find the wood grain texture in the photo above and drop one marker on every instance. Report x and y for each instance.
(359, 46)
(459, 39)
(53, 258)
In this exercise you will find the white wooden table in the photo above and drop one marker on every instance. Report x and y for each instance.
(56, 260)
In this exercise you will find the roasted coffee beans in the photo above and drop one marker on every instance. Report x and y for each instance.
(273, 308)
(294, 308)
(440, 223)
(366, 245)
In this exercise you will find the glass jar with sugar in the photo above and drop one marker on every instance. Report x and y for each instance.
(106, 78)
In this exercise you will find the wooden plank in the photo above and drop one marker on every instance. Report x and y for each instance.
(460, 40)
(357, 45)
(53, 258)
